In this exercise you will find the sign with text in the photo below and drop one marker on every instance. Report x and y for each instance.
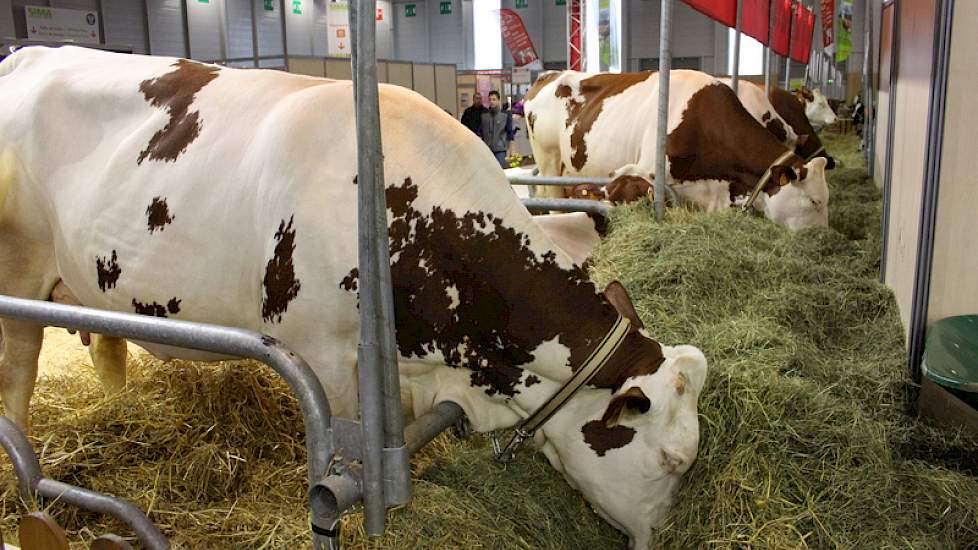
(410, 10)
(269, 5)
(522, 4)
(62, 25)
(445, 8)
(517, 39)
(828, 24)
(338, 29)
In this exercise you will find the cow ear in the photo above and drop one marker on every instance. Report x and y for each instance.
(618, 296)
(632, 400)
(783, 175)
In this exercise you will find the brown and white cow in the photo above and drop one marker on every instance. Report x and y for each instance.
(753, 98)
(593, 124)
(178, 189)
(817, 108)
(792, 110)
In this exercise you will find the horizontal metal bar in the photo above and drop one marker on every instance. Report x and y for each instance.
(549, 180)
(200, 336)
(566, 205)
(430, 424)
(32, 482)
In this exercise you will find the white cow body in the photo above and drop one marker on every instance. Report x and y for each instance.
(259, 231)
(592, 125)
(757, 104)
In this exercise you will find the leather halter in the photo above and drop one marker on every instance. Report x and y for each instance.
(763, 181)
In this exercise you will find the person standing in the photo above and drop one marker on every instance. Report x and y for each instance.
(497, 128)
(472, 115)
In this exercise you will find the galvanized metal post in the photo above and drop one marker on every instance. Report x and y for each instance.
(665, 64)
(380, 401)
(285, 35)
(868, 105)
(767, 49)
(736, 62)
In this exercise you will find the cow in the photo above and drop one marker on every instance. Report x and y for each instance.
(793, 111)
(182, 190)
(817, 108)
(591, 125)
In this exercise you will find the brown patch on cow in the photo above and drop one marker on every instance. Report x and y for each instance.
(158, 214)
(157, 310)
(600, 223)
(681, 381)
(531, 120)
(108, 271)
(766, 117)
(602, 439)
(349, 283)
(280, 284)
(740, 149)
(804, 95)
(563, 91)
(503, 313)
(584, 109)
(539, 84)
(793, 113)
(531, 380)
(174, 92)
(777, 128)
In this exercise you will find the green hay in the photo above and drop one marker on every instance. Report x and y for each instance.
(807, 437)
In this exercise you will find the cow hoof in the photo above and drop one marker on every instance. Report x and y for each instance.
(462, 428)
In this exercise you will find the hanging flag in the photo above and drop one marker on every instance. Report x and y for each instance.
(802, 30)
(724, 11)
(781, 17)
(843, 31)
(757, 20)
(828, 20)
(517, 39)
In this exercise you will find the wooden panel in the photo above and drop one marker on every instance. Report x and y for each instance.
(339, 69)
(883, 101)
(446, 88)
(916, 51)
(424, 80)
(307, 66)
(954, 287)
(400, 74)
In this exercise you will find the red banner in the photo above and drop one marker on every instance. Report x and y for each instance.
(756, 23)
(517, 39)
(802, 31)
(781, 16)
(724, 11)
(828, 20)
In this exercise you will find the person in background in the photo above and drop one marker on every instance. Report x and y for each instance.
(472, 116)
(497, 128)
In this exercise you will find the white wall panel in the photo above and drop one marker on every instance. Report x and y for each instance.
(166, 28)
(239, 28)
(269, 29)
(446, 31)
(411, 33)
(554, 41)
(123, 24)
(206, 36)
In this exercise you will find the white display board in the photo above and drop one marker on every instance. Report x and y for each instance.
(59, 24)
(338, 28)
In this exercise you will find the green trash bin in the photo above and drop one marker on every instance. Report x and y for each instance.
(950, 371)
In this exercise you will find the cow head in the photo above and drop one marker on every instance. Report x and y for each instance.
(818, 110)
(627, 449)
(588, 191)
(629, 184)
(798, 196)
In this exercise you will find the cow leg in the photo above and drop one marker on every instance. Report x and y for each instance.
(549, 165)
(109, 355)
(18, 368)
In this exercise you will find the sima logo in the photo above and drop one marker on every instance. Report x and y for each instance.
(43, 13)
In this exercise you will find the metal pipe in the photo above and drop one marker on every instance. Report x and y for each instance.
(890, 138)
(254, 32)
(32, 482)
(185, 20)
(146, 41)
(787, 57)
(665, 65)
(380, 402)
(868, 105)
(285, 35)
(736, 63)
(200, 336)
(566, 205)
(554, 180)
(430, 424)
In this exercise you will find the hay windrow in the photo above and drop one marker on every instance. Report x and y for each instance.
(807, 437)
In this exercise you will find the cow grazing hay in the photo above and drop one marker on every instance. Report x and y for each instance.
(806, 440)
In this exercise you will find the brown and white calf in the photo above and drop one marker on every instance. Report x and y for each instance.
(172, 188)
(595, 124)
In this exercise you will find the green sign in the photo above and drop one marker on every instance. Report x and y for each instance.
(297, 7)
(204, 1)
(269, 5)
(409, 10)
(561, 2)
(522, 4)
(445, 8)
(44, 13)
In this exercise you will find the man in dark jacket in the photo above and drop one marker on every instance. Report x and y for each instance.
(472, 115)
(497, 128)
